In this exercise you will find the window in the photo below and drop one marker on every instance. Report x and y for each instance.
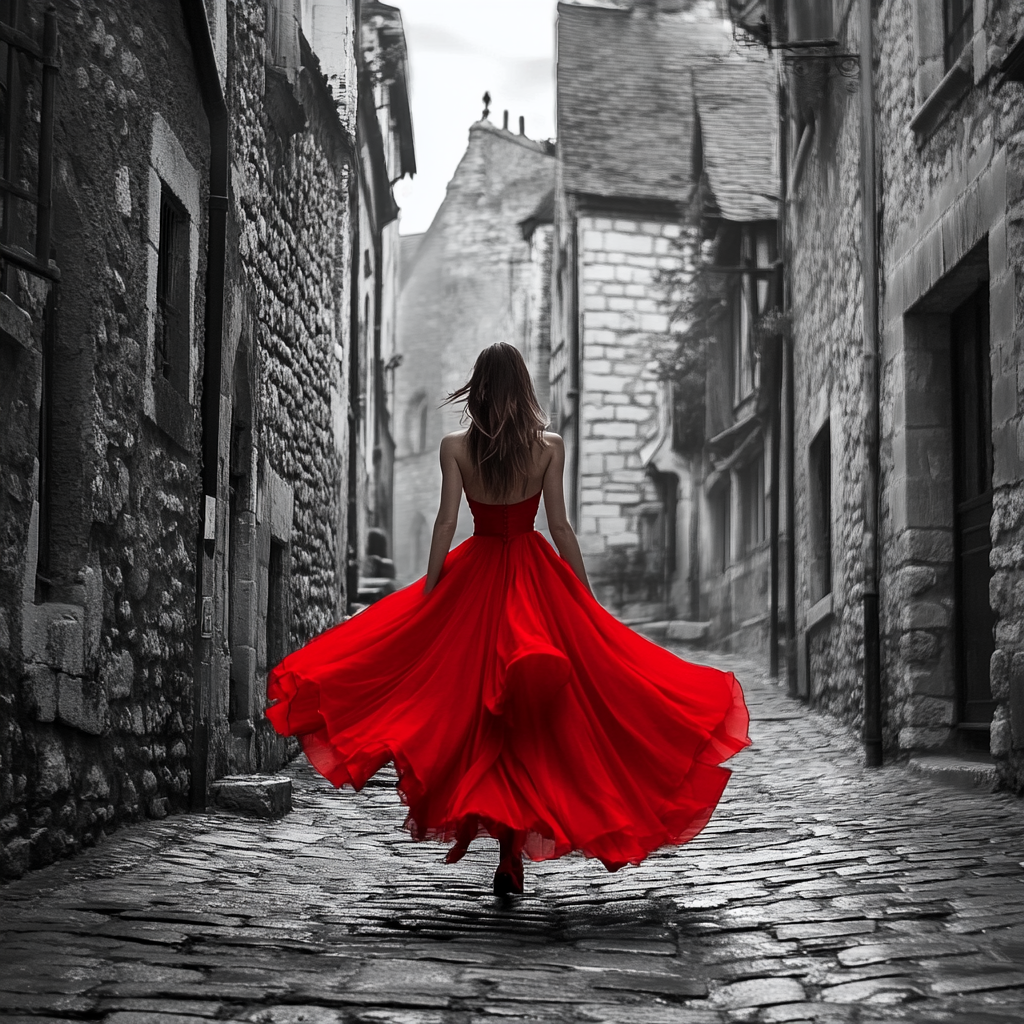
(282, 34)
(958, 27)
(753, 528)
(277, 603)
(820, 496)
(28, 79)
(749, 301)
(416, 424)
(721, 530)
(173, 340)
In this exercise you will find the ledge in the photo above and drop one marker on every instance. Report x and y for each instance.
(957, 82)
(819, 612)
(15, 322)
(173, 414)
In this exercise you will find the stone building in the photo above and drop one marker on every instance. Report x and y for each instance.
(625, 109)
(175, 429)
(476, 277)
(736, 177)
(906, 339)
(386, 154)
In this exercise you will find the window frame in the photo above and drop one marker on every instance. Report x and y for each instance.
(820, 502)
(955, 38)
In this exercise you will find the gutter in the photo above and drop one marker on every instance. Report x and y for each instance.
(872, 733)
(200, 39)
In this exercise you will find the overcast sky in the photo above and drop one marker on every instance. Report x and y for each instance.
(458, 49)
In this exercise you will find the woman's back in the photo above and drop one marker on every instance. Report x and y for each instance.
(472, 480)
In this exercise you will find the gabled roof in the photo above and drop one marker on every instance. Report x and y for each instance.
(738, 119)
(625, 98)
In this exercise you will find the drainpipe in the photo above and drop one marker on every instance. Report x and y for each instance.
(869, 269)
(201, 42)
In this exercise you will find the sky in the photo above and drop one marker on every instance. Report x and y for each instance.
(458, 49)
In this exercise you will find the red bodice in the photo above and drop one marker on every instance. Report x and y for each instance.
(504, 521)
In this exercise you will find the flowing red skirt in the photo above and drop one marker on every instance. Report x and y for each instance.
(510, 700)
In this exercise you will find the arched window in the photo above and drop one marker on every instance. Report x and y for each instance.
(416, 423)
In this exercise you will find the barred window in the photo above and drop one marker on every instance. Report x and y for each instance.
(959, 27)
(173, 341)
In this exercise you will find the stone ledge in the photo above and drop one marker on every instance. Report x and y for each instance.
(690, 632)
(960, 772)
(944, 97)
(257, 796)
(15, 323)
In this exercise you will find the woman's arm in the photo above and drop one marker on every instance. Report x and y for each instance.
(447, 513)
(554, 504)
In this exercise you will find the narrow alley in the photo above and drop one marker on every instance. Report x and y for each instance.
(820, 891)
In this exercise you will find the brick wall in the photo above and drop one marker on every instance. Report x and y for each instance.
(624, 407)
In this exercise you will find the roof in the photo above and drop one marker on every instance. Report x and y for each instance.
(408, 251)
(543, 213)
(737, 140)
(625, 98)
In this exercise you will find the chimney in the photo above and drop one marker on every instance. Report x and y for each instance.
(522, 125)
(504, 120)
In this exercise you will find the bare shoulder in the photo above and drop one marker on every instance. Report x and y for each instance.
(453, 443)
(554, 441)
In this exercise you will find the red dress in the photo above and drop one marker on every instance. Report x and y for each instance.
(509, 699)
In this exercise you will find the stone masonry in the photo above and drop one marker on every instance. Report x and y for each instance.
(949, 196)
(624, 406)
(469, 286)
(96, 659)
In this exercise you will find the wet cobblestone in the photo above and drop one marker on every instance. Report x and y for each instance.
(820, 891)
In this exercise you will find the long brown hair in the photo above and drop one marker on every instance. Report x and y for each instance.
(505, 419)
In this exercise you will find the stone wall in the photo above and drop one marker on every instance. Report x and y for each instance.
(100, 672)
(95, 688)
(625, 421)
(949, 195)
(826, 300)
(283, 382)
(467, 290)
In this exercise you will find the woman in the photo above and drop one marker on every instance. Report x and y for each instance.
(511, 703)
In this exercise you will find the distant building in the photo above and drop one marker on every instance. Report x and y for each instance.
(476, 277)
(386, 154)
(626, 130)
(736, 173)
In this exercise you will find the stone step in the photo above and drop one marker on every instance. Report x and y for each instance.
(674, 629)
(957, 770)
(257, 796)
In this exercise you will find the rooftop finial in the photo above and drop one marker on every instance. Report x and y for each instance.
(487, 105)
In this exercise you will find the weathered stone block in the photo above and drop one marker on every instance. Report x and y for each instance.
(53, 777)
(929, 712)
(1015, 703)
(119, 676)
(260, 796)
(918, 614)
(64, 645)
(81, 706)
(41, 685)
(918, 645)
(919, 738)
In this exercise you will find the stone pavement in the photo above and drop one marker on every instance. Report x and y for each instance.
(820, 891)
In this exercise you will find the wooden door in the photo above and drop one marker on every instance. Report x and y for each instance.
(972, 469)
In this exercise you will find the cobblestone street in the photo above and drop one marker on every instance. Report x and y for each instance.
(820, 891)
